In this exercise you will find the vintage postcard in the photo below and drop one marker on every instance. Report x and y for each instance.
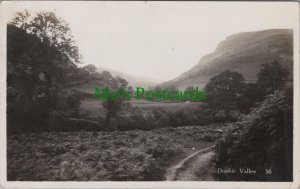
(149, 94)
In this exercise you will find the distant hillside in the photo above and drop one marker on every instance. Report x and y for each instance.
(92, 77)
(242, 52)
(134, 81)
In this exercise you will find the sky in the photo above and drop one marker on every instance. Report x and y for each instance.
(158, 40)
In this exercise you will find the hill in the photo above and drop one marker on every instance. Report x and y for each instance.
(88, 83)
(243, 52)
(133, 80)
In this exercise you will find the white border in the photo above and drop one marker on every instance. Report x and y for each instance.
(164, 184)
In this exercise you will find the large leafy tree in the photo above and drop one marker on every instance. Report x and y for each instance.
(42, 48)
(54, 56)
(223, 91)
(53, 31)
(272, 76)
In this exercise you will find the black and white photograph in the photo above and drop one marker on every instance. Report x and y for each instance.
(160, 91)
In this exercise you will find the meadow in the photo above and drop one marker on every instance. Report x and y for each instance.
(96, 109)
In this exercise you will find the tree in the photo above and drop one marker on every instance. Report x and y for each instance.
(59, 52)
(272, 76)
(44, 43)
(189, 93)
(222, 92)
(116, 101)
(171, 88)
(90, 68)
(53, 31)
(107, 76)
(190, 89)
(158, 88)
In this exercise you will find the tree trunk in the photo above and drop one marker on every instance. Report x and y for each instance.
(48, 96)
(227, 114)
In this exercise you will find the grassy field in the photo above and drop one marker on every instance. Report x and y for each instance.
(118, 155)
(96, 109)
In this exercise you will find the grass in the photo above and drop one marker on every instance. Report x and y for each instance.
(96, 109)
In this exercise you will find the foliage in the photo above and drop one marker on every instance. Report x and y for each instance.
(90, 68)
(40, 56)
(190, 88)
(159, 117)
(272, 76)
(171, 88)
(223, 91)
(251, 93)
(96, 156)
(116, 102)
(51, 30)
(264, 140)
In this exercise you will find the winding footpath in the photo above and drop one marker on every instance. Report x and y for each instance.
(194, 167)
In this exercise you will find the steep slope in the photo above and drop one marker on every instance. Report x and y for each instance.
(243, 52)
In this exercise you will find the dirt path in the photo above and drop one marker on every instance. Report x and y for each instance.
(193, 167)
